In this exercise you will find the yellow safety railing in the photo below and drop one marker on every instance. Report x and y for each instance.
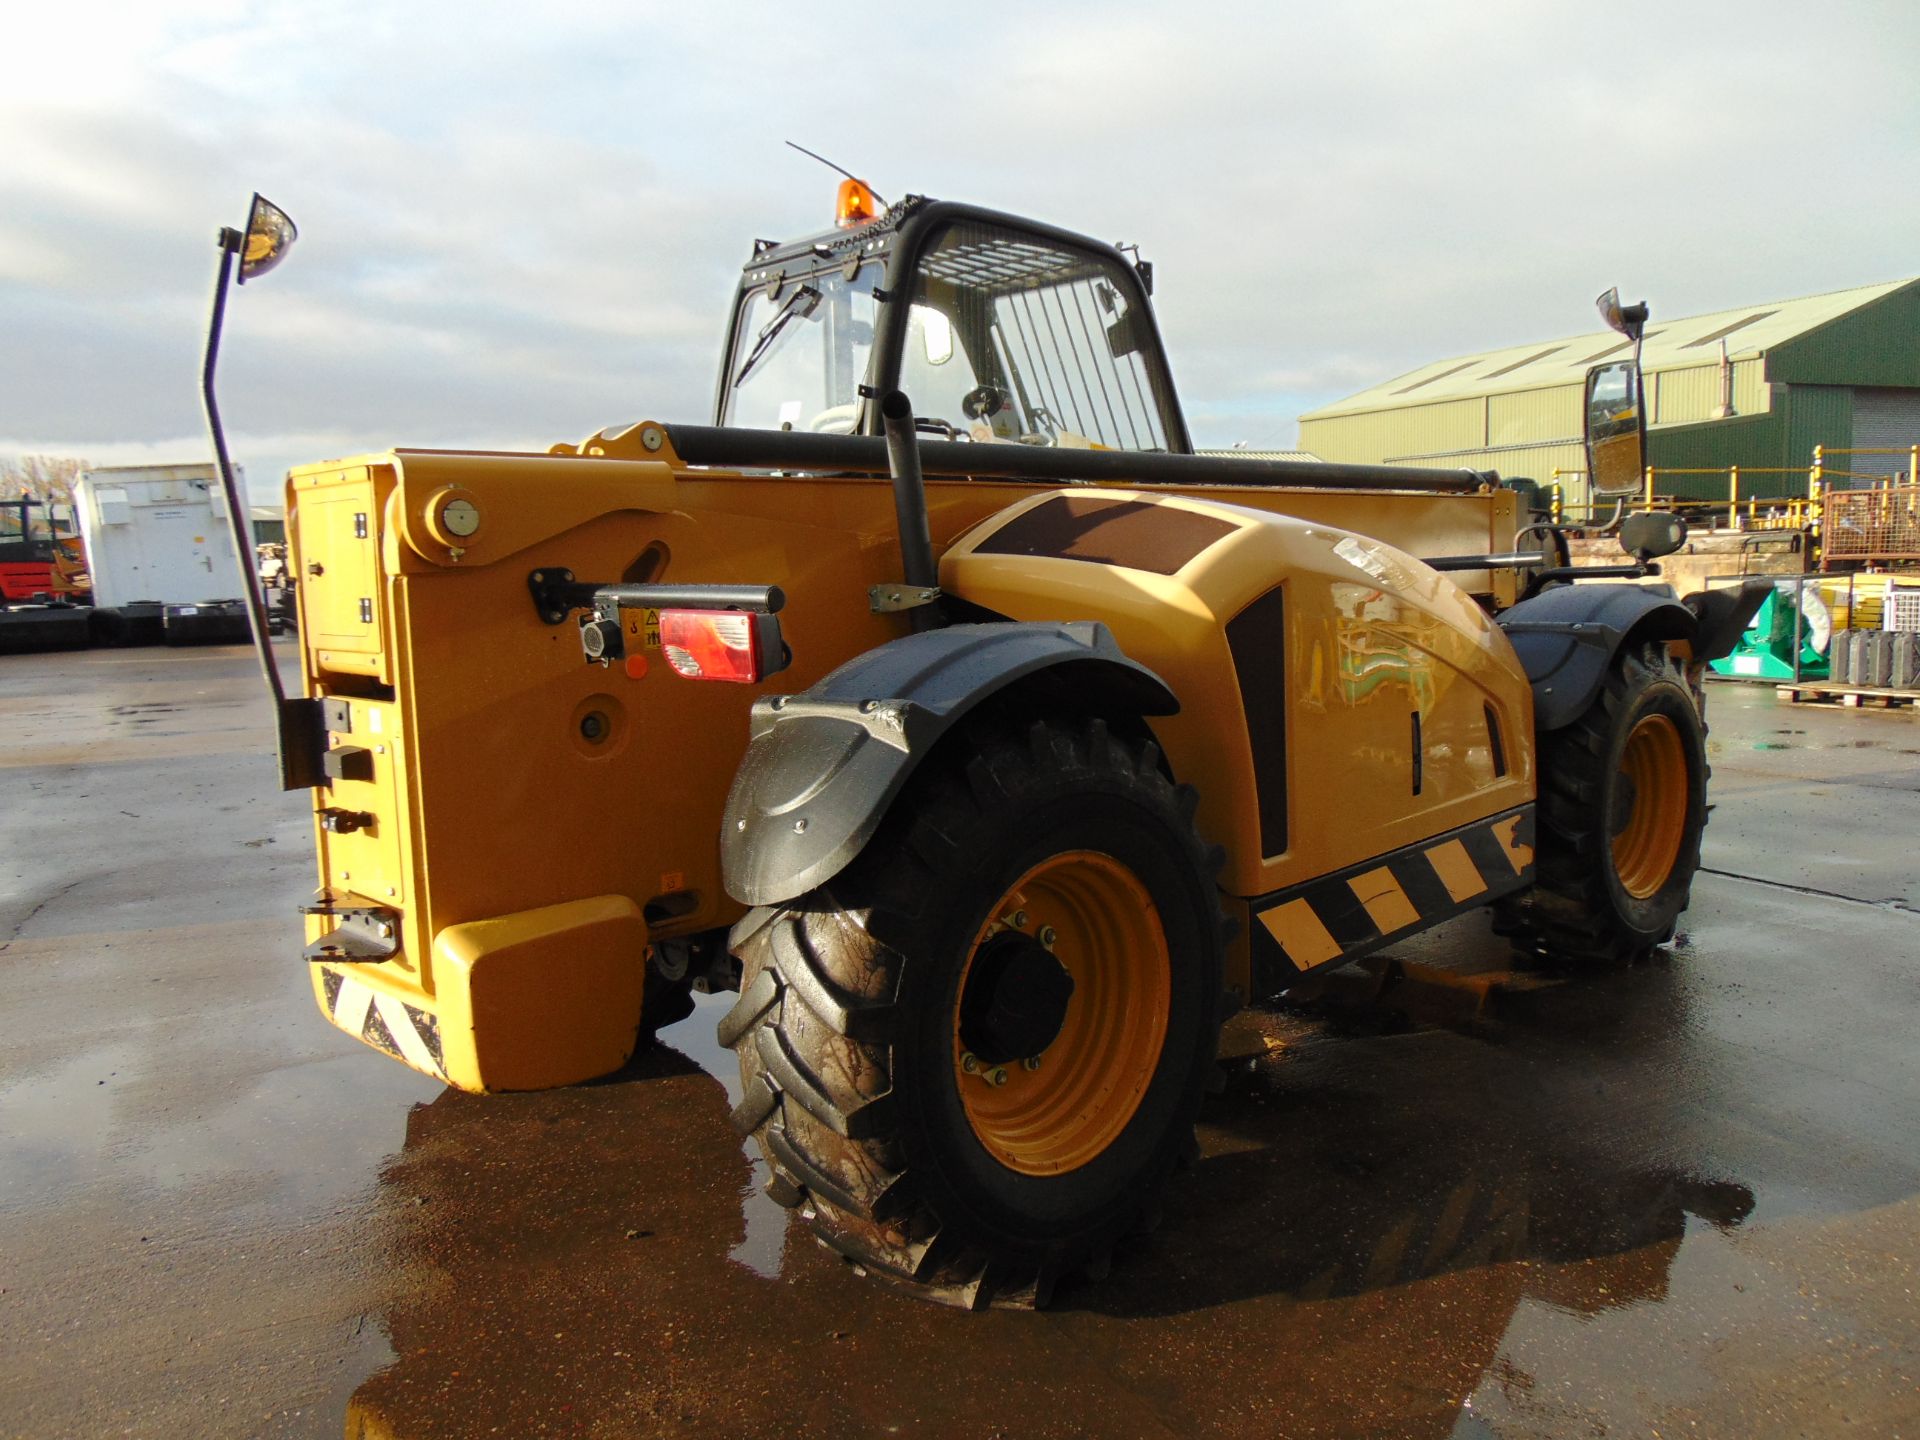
(1823, 456)
(1882, 508)
(1736, 512)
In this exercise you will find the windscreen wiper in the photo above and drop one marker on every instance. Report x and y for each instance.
(801, 304)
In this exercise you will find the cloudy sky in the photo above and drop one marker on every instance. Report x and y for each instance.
(521, 224)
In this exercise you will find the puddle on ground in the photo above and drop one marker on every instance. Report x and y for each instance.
(1384, 1191)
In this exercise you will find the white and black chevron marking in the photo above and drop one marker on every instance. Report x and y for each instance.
(407, 1033)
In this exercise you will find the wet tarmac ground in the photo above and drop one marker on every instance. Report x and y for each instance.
(1442, 1200)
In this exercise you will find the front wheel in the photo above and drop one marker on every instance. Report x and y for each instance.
(1623, 803)
(976, 1056)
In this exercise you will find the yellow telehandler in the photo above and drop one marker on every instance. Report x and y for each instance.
(994, 746)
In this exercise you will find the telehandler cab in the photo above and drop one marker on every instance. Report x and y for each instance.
(993, 745)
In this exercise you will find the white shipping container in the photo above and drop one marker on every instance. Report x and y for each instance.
(157, 532)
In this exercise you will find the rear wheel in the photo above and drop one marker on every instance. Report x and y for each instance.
(976, 1056)
(1622, 808)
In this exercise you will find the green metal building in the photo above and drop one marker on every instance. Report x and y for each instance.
(1757, 387)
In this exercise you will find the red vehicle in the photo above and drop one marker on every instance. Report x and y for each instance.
(29, 552)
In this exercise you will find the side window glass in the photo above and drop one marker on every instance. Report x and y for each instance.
(1046, 348)
(1061, 341)
(935, 371)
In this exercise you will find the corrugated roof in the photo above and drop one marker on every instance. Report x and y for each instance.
(1689, 340)
(1238, 453)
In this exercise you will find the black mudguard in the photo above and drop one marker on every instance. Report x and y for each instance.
(1722, 616)
(1567, 637)
(822, 766)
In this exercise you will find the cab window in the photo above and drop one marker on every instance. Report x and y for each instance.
(800, 354)
(1013, 339)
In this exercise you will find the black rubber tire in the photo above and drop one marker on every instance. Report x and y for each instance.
(663, 1002)
(108, 627)
(1578, 912)
(843, 1026)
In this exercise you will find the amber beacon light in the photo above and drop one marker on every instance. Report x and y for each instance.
(855, 205)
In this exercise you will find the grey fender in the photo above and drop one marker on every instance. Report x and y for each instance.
(822, 766)
(1567, 637)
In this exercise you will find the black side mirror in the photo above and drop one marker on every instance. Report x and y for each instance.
(1616, 412)
(1651, 533)
(1616, 428)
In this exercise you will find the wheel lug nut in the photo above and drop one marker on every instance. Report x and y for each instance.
(969, 1064)
(1048, 936)
(1032, 1062)
(1019, 919)
(997, 1075)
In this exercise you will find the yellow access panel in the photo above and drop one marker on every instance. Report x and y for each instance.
(369, 857)
(338, 558)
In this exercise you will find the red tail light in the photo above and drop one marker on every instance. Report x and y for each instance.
(713, 644)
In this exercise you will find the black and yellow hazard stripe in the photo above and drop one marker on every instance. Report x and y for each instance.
(1352, 912)
(406, 1032)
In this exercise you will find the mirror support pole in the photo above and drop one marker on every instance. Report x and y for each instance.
(910, 502)
(295, 721)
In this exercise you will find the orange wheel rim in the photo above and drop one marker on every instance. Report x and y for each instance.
(1056, 1111)
(1647, 845)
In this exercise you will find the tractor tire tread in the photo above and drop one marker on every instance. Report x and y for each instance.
(1568, 917)
(816, 1019)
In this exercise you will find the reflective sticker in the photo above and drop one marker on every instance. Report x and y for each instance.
(1519, 850)
(406, 1032)
(350, 1009)
(1456, 871)
(1300, 934)
(1386, 902)
(1353, 912)
(1362, 556)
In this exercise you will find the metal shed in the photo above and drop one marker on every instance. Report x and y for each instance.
(1758, 387)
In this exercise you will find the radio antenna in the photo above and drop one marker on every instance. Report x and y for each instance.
(839, 169)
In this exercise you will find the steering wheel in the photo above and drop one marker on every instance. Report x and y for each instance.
(983, 401)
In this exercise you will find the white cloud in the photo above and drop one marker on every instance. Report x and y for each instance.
(533, 226)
